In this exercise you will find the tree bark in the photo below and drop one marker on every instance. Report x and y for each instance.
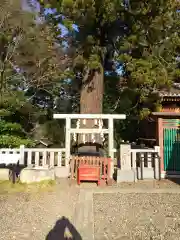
(91, 102)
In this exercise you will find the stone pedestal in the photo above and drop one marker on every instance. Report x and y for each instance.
(125, 156)
(126, 175)
(30, 175)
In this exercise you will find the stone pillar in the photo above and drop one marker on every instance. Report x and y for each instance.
(125, 156)
(126, 173)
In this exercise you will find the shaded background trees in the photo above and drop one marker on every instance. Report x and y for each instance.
(32, 65)
(118, 53)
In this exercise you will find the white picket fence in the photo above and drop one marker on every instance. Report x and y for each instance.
(57, 156)
(35, 156)
(146, 154)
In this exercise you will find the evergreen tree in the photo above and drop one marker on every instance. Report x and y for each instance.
(140, 37)
(149, 51)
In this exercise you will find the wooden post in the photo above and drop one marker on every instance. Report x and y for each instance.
(142, 165)
(29, 157)
(111, 137)
(161, 141)
(52, 158)
(111, 145)
(133, 155)
(37, 158)
(21, 162)
(157, 163)
(59, 159)
(68, 141)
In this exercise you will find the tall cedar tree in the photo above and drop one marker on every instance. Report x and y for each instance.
(142, 36)
(97, 23)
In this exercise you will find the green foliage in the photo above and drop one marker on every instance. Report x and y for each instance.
(10, 141)
(12, 135)
(54, 130)
(96, 22)
(141, 36)
(9, 127)
(28, 58)
(150, 46)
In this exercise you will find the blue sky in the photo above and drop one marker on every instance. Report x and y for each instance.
(31, 5)
(36, 7)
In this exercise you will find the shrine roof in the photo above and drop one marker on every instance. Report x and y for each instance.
(174, 91)
(175, 114)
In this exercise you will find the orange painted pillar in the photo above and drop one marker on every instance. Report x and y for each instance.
(161, 141)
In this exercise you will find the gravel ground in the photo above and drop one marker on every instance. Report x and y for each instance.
(31, 216)
(137, 216)
(146, 184)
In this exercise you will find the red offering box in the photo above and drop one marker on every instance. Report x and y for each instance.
(88, 173)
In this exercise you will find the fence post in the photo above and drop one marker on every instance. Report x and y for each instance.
(157, 164)
(21, 161)
(133, 155)
(68, 141)
(142, 165)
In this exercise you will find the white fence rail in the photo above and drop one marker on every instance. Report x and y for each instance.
(147, 155)
(57, 156)
(34, 156)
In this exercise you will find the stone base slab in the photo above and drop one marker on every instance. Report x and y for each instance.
(126, 176)
(62, 172)
(148, 173)
(4, 174)
(30, 175)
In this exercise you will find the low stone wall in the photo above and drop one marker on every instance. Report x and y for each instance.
(30, 175)
(33, 174)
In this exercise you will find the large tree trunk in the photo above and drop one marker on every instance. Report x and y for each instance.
(91, 101)
(92, 93)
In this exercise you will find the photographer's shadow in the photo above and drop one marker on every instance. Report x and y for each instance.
(63, 230)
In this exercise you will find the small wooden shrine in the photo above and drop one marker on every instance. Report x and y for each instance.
(168, 130)
(87, 167)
